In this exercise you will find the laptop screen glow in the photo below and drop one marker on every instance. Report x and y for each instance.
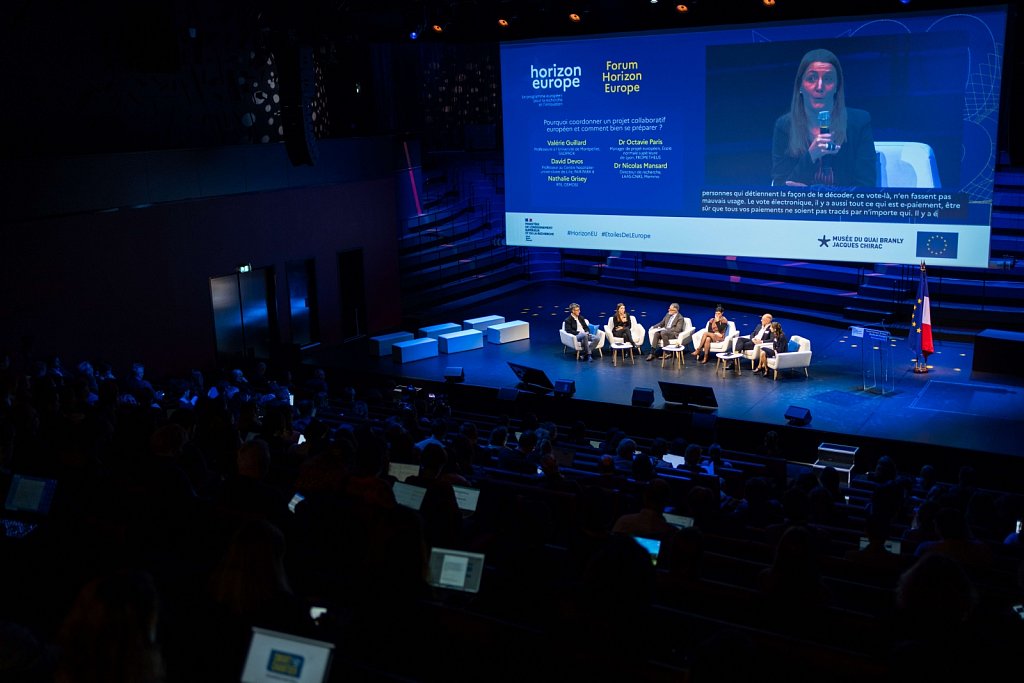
(651, 545)
(275, 657)
(892, 545)
(402, 471)
(466, 498)
(679, 521)
(455, 569)
(408, 495)
(674, 460)
(30, 494)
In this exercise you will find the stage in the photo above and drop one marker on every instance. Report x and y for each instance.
(947, 408)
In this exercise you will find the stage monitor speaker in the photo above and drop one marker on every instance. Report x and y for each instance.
(565, 387)
(798, 416)
(508, 394)
(643, 396)
(454, 374)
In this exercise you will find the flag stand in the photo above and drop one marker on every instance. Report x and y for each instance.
(921, 326)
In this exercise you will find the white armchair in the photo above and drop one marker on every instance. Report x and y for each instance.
(751, 354)
(717, 347)
(906, 164)
(681, 340)
(800, 358)
(636, 331)
(570, 342)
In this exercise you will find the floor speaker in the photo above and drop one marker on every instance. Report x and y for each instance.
(454, 374)
(798, 416)
(643, 396)
(565, 387)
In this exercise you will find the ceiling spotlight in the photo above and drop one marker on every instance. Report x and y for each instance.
(682, 9)
(437, 28)
(413, 35)
(654, 2)
(503, 23)
(768, 3)
(575, 18)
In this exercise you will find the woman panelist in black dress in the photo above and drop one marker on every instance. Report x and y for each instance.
(622, 326)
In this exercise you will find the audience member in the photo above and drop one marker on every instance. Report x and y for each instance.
(650, 521)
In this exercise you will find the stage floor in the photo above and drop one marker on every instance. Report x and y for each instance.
(946, 407)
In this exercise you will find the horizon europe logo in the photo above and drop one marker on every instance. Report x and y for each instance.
(555, 77)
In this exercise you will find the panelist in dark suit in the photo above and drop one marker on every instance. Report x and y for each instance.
(762, 333)
(670, 327)
(579, 327)
(803, 153)
(780, 344)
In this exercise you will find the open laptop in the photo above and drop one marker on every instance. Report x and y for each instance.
(456, 569)
(27, 503)
(679, 521)
(891, 544)
(402, 470)
(466, 498)
(274, 657)
(651, 545)
(408, 495)
(674, 460)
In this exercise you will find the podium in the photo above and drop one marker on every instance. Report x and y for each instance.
(876, 360)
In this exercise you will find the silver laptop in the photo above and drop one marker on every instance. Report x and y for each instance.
(456, 569)
(274, 657)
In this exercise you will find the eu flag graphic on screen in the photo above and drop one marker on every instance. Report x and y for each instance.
(937, 244)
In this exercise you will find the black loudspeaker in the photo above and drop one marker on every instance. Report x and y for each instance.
(565, 387)
(643, 396)
(798, 416)
(454, 374)
(298, 92)
(508, 394)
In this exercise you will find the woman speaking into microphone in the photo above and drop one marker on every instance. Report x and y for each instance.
(821, 141)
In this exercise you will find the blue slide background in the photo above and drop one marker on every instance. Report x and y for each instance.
(930, 78)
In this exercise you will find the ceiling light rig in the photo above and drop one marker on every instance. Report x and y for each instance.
(503, 22)
(682, 9)
(575, 18)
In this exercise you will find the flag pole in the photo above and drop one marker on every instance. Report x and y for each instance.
(921, 326)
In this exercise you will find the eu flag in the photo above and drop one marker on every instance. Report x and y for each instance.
(937, 244)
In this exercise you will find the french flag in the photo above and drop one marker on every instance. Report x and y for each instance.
(922, 324)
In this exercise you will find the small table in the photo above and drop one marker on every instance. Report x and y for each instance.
(676, 353)
(621, 348)
(723, 362)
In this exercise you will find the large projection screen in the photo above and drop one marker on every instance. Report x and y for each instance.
(663, 142)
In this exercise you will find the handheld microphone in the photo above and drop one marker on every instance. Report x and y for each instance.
(825, 126)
